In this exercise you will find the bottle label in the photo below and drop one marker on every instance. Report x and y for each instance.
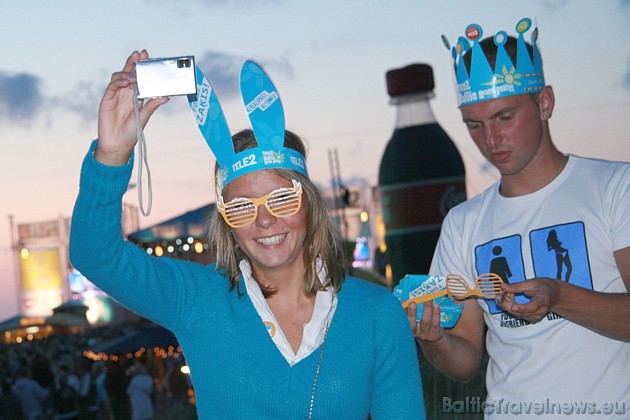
(420, 206)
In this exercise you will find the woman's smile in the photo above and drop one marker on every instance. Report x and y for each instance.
(271, 240)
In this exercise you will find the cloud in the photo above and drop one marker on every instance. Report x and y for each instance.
(83, 100)
(20, 97)
(554, 5)
(22, 100)
(223, 71)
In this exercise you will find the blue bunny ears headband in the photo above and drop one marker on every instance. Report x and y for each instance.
(264, 109)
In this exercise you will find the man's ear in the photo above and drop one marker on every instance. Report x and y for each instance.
(546, 102)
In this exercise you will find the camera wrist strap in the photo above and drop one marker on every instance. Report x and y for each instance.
(142, 158)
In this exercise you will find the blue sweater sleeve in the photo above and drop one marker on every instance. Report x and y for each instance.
(156, 288)
(397, 383)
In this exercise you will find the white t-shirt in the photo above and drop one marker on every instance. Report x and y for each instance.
(567, 230)
(140, 391)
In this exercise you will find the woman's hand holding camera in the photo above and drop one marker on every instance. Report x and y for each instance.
(116, 118)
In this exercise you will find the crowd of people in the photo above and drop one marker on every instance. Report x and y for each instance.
(49, 379)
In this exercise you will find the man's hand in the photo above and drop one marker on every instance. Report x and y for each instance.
(543, 292)
(456, 353)
(429, 328)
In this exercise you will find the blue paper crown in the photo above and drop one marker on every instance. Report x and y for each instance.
(484, 83)
(265, 112)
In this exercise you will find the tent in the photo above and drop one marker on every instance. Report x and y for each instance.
(192, 223)
(145, 337)
(20, 321)
(65, 319)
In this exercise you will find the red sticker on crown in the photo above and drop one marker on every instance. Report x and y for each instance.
(473, 32)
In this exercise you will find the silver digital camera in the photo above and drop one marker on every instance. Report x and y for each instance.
(160, 77)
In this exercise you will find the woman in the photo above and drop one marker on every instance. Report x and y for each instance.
(274, 329)
(140, 392)
(65, 397)
(562, 255)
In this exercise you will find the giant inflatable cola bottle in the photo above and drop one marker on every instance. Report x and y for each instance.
(421, 175)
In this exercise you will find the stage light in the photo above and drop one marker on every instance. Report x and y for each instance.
(198, 247)
(159, 251)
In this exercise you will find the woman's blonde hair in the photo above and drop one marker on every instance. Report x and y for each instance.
(322, 240)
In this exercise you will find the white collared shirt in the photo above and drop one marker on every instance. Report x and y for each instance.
(313, 332)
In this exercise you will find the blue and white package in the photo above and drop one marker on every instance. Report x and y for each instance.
(420, 288)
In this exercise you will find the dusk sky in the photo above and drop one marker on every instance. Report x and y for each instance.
(328, 60)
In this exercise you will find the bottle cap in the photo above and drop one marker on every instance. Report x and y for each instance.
(414, 78)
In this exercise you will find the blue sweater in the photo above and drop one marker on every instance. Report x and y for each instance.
(369, 364)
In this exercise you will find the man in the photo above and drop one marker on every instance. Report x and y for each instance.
(10, 406)
(30, 393)
(556, 346)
